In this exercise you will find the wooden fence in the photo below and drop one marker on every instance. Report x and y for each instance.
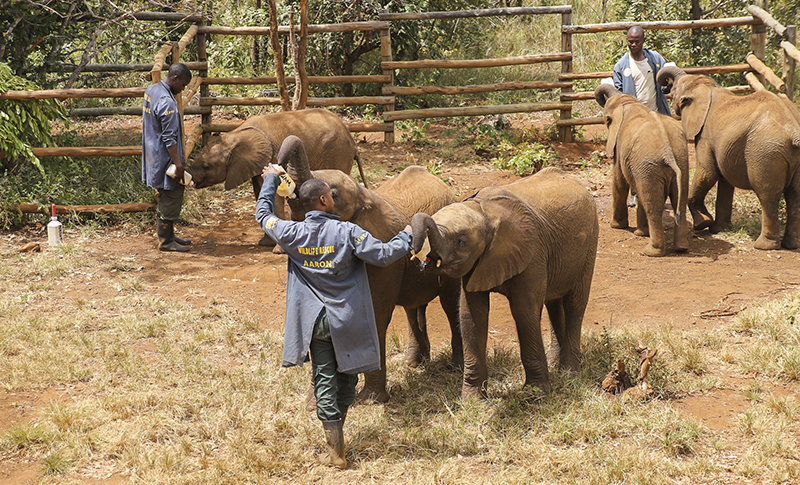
(756, 73)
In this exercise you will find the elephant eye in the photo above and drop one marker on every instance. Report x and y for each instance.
(462, 241)
(206, 166)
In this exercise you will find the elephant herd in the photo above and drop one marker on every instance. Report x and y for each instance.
(533, 240)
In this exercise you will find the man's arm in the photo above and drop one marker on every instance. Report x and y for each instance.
(375, 252)
(265, 206)
(170, 118)
(617, 74)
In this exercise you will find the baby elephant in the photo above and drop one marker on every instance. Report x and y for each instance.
(651, 156)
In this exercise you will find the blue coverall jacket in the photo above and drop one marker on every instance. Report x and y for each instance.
(623, 80)
(327, 268)
(161, 128)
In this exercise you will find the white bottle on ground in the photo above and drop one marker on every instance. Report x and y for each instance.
(54, 228)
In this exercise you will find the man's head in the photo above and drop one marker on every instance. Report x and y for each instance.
(178, 77)
(635, 41)
(316, 195)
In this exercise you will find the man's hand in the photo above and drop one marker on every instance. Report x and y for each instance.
(270, 168)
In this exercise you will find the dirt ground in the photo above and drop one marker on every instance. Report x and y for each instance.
(701, 289)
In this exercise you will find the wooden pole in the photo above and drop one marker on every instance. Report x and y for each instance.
(598, 120)
(768, 20)
(758, 38)
(185, 39)
(353, 127)
(489, 12)
(475, 88)
(75, 93)
(168, 16)
(565, 132)
(340, 101)
(789, 62)
(765, 72)
(277, 54)
(202, 55)
(474, 63)
(413, 114)
(193, 65)
(130, 111)
(726, 69)
(301, 77)
(372, 78)
(283, 30)
(87, 151)
(754, 82)
(158, 63)
(386, 57)
(661, 25)
(84, 210)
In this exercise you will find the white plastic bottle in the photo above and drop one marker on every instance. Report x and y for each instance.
(287, 186)
(54, 228)
(187, 177)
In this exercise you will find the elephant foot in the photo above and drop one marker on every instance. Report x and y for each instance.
(372, 395)
(473, 392)
(642, 232)
(702, 221)
(765, 244)
(266, 241)
(717, 228)
(540, 386)
(457, 361)
(414, 357)
(790, 243)
(681, 240)
(619, 224)
(653, 251)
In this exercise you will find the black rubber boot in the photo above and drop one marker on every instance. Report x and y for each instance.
(166, 237)
(334, 436)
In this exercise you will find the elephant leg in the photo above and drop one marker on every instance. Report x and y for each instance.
(680, 233)
(526, 308)
(705, 177)
(555, 311)
(652, 205)
(419, 346)
(619, 199)
(449, 295)
(642, 227)
(770, 237)
(375, 382)
(574, 308)
(724, 209)
(474, 331)
(791, 238)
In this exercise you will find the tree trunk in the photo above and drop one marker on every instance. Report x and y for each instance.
(278, 54)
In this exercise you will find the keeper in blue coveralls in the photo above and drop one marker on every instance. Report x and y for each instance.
(162, 145)
(328, 301)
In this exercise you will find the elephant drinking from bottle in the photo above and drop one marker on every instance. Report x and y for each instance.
(534, 241)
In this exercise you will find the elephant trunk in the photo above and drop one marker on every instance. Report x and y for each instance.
(423, 226)
(292, 156)
(668, 75)
(603, 92)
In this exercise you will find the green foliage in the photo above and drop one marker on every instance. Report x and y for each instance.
(415, 132)
(526, 158)
(24, 123)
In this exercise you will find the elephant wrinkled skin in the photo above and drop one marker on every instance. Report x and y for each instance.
(241, 154)
(750, 142)
(385, 212)
(535, 242)
(650, 155)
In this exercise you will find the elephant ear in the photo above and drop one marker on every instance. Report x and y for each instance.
(512, 246)
(250, 152)
(693, 108)
(614, 117)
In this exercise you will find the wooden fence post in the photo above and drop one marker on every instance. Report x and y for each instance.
(565, 132)
(202, 56)
(789, 64)
(386, 56)
(758, 37)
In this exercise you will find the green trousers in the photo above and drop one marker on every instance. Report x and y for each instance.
(170, 203)
(335, 391)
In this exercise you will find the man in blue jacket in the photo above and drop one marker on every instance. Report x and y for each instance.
(635, 73)
(328, 302)
(162, 145)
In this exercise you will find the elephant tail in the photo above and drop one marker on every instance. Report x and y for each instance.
(669, 158)
(360, 169)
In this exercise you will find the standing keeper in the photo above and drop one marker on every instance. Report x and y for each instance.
(328, 301)
(162, 145)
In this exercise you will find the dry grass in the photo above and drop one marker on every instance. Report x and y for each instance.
(158, 392)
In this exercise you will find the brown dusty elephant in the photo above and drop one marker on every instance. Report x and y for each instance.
(533, 241)
(650, 155)
(751, 142)
(384, 213)
(241, 154)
